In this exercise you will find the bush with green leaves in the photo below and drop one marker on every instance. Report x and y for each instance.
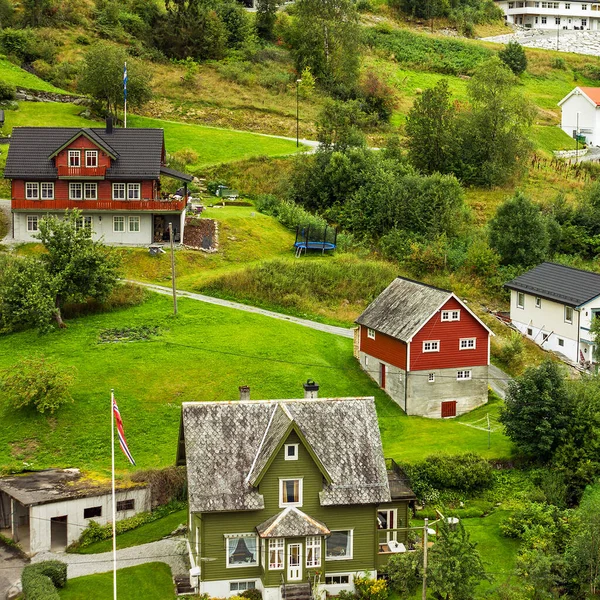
(513, 56)
(405, 572)
(28, 45)
(41, 580)
(37, 383)
(536, 515)
(7, 91)
(252, 594)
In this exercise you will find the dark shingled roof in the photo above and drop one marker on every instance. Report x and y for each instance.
(224, 443)
(403, 308)
(552, 281)
(139, 152)
(291, 522)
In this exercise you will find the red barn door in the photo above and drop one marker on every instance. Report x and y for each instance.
(449, 409)
(382, 376)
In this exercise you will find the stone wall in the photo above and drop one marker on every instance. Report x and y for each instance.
(201, 234)
(39, 96)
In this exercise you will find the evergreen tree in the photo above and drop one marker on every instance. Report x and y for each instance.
(513, 56)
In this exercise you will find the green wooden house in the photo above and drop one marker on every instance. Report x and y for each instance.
(283, 492)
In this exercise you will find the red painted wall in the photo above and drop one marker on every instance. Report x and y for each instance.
(449, 334)
(82, 143)
(384, 348)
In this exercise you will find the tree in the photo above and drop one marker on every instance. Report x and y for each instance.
(455, 567)
(339, 125)
(518, 232)
(430, 130)
(37, 382)
(35, 12)
(537, 411)
(76, 267)
(6, 13)
(266, 13)
(102, 77)
(405, 572)
(513, 56)
(325, 37)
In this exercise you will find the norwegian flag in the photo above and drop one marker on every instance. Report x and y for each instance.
(121, 432)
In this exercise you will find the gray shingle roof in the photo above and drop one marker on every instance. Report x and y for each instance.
(291, 522)
(223, 441)
(403, 308)
(139, 151)
(552, 281)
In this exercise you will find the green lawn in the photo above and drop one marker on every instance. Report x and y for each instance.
(151, 580)
(550, 138)
(18, 77)
(47, 114)
(203, 354)
(150, 532)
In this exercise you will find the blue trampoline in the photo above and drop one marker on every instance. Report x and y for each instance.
(315, 238)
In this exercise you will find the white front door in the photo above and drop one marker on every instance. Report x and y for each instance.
(294, 562)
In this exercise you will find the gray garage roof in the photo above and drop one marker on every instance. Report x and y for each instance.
(224, 444)
(139, 152)
(403, 308)
(560, 283)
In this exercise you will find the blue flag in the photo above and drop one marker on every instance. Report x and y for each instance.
(125, 82)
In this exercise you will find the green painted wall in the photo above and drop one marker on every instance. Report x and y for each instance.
(361, 519)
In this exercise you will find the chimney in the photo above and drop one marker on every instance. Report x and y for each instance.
(244, 392)
(311, 390)
(109, 125)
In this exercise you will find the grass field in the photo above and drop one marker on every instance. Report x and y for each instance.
(550, 138)
(16, 76)
(203, 354)
(150, 532)
(152, 580)
(47, 114)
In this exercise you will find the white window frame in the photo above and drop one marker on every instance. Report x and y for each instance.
(32, 190)
(118, 219)
(74, 185)
(84, 221)
(75, 157)
(538, 302)
(134, 187)
(33, 223)
(561, 342)
(520, 300)
(332, 575)
(567, 319)
(294, 455)
(277, 545)
(451, 315)
(370, 333)
(431, 378)
(92, 188)
(431, 346)
(122, 187)
(544, 20)
(134, 219)
(464, 375)
(313, 543)
(467, 344)
(236, 536)
(47, 190)
(249, 585)
(344, 556)
(283, 504)
(89, 154)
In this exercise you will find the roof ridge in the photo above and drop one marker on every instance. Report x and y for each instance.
(549, 262)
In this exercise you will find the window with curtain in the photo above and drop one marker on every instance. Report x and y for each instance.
(242, 551)
(276, 550)
(339, 545)
(290, 492)
(313, 551)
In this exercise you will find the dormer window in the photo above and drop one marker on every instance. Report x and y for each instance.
(291, 452)
(290, 492)
(74, 158)
(91, 158)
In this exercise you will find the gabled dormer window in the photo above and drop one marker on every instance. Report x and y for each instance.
(291, 452)
(91, 158)
(290, 492)
(74, 158)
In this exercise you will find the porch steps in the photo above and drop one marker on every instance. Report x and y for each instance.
(182, 583)
(299, 591)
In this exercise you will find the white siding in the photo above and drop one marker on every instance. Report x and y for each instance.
(588, 118)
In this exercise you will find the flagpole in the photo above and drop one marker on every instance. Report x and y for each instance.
(125, 93)
(114, 502)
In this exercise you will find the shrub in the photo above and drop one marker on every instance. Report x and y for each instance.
(28, 45)
(37, 382)
(371, 589)
(404, 572)
(167, 485)
(513, 56)
(536, 517)
(124, 295)
(559, 64)
(7, 91)
(512, 350)
(252, 594)
(41, 580)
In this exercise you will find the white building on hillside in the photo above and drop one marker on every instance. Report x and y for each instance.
(536, 14)
(581, 114)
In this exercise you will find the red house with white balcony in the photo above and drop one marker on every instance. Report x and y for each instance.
(111, 175)
(426, 349)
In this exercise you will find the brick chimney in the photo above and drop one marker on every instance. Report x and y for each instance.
(311, 390)
(244, 392)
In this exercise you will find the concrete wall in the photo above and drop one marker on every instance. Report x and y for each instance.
(102, 227)
(425, 397)
(588, 118)
(41, 515)
(394, 376)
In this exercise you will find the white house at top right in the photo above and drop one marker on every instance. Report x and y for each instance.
(554, 305)
(581, 114)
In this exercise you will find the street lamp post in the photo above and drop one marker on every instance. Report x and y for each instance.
(298, 81)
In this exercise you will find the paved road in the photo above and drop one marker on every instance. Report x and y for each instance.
(499, 381)
(172, 551)
(341, 331)
(11, 567)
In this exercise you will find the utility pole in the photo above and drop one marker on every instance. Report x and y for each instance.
(173, 269)
(425, 525)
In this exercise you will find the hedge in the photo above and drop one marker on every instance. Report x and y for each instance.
(41, 580)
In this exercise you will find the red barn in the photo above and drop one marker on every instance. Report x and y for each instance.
(426, 349)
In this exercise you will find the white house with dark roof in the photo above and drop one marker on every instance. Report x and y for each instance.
(554, 305)
(283, 492)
